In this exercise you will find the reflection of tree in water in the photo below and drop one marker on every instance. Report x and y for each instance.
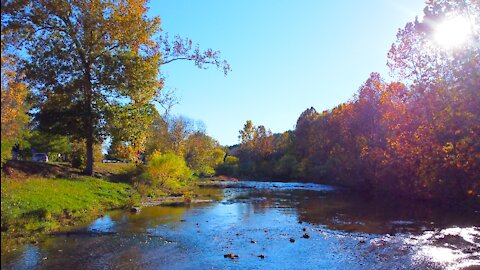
(151, 217)
(263, 199)
(206, 193)
(353, 212)
(119, 250)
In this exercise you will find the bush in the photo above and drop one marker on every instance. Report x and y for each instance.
(231, 160)
(229, 167)
(6, 150)
(206, 171)
(78, 161)
(167, 171)
(286, 167)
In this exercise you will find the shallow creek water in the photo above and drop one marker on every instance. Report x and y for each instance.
(293, 225)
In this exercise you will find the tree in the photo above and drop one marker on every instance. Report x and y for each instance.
(51, 144)
(203, 153)
(127, 129)
(13, 89)
(83, 56)
(247, 134)
(304, 132)
(91, 61)
(13, 113)
(443, 114)
(417, 57)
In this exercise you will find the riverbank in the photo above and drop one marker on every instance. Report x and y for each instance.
(43, 198)
(38, 205)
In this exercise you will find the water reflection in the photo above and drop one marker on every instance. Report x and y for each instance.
(103, 224)
(352, 212)
(29, 256)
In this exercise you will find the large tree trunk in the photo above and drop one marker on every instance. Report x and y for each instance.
(89, 165)
(89, 140)
(89, 132)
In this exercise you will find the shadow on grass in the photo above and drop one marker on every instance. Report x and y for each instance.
(113, 172)
(22, 169)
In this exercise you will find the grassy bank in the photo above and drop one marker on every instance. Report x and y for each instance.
(38, 205)
(54, 197)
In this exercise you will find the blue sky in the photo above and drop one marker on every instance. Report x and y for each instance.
(286, 56)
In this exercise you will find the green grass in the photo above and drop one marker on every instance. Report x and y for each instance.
(41, 204)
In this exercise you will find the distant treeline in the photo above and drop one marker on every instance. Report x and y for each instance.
(419, 137)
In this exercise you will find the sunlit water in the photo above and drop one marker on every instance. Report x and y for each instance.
(346, 231)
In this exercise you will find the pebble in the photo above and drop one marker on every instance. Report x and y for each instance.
(230, 255)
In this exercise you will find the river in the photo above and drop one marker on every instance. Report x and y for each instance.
(267, 225)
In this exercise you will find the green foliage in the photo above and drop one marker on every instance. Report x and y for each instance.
(231, 160)
(203, 154)
(167, 171)
(7, 145)
(127, 127)
(206, 171)
(78, 160)
(77, 156)
(51, 144)
(287, 166)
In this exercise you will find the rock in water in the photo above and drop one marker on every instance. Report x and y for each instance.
(135, 209)
(306, 236)
(230, 255)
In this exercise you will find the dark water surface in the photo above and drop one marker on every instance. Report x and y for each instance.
(249, 219)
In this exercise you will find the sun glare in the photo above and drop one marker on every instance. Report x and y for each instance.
(452, 32)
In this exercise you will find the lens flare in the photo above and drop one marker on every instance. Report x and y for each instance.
(452, 32)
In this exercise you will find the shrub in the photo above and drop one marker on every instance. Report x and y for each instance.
(78, 161)
(228, 167)
(168, 171)
(6, 150)
(231, 160)
(286, 167)
(206, 171)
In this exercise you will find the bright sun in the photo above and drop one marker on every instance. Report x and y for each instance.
(452, 32)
